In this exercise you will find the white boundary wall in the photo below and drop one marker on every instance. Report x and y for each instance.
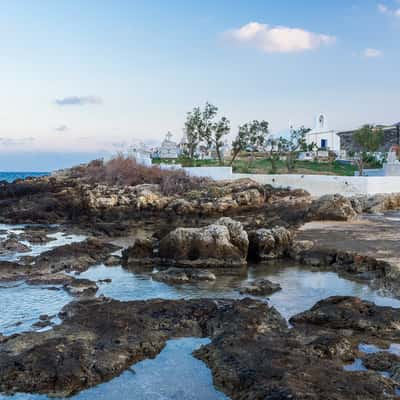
(217, 173)
(316, 185)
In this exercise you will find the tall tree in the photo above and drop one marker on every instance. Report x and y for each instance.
(291, 145)
(220, 129)
(251, 136)
(203, 125)
(192, 130)
(369, 138)
(275, 152)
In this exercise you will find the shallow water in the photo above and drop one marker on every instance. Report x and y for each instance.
(173, 375)
(60, 239)
(21, 305)
(301, 288)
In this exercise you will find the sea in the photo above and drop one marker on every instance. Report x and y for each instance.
(12, 176)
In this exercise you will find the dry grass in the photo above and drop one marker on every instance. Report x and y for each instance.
(125, 171)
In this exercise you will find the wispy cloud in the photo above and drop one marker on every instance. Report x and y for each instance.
(278, 39)
(61, 128)
(392, 12)
(372, 53)
(78, 100)
(12, 142)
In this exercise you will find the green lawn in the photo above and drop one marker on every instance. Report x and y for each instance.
(263, 166)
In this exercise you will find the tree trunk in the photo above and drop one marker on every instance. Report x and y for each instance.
(360, 165)
(251, 160)
(234, 155)
(273, 163)
(218, 150)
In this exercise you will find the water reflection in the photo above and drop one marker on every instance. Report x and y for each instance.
(21, 305)
(173, 375)
(59, 239)
(301, 288)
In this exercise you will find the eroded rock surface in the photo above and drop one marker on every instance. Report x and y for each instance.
(222, 244)
(12, 245)
(252, 355)
(367, 249)
(269, 244)
(260, 287)
(332, 207)
(183, 275)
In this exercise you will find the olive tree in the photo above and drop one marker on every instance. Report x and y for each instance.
(192, 130)
(203, 125)
(293, 144)
(369, 139)
(251, 136)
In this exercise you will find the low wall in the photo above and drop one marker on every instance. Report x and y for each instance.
(217, 173)
(316, 185)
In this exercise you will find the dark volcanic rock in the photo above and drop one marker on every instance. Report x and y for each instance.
(12, 245)
(141, 252)
(112, 261)
(36, 235)
(75, 257)
(81, 287)
(253, 354)
(183, 275)
(98, 339)
(341, 312)
(381, 361)
(260, 287)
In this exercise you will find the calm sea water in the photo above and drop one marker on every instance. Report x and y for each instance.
(12, 176)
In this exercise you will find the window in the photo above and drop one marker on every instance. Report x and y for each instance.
(324, 143)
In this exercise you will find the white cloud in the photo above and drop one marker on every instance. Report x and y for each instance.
(383, 9)
(392, 12)
(372, 53)
(278, 39)
(78, 100)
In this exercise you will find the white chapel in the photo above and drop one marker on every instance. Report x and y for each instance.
(323, 137)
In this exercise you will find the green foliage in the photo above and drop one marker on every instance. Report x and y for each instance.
(370, 161)
(266, 166)
(202, 125)
(369, 138)
(250, 136)
(293, 144)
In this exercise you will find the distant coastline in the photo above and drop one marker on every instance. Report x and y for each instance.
(12, 176)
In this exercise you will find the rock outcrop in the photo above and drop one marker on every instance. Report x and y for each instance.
(12, 245)
(222, 244)
(260, 287)
(268, 244)
(142, 252)
(183, 275)
(252, 354)
(332, 207)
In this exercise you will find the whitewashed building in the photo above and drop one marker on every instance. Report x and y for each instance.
(141, 153)
(322, 136)
(169, 148)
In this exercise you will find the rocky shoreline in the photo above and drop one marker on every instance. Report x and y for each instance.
(253, 353)
(198, 236)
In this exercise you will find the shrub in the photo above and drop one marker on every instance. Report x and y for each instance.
(123, 171)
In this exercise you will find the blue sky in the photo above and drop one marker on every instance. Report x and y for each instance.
(80, 78)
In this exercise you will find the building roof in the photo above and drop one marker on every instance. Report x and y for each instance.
(384, 127)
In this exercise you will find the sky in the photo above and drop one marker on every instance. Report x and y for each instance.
(83, 78)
